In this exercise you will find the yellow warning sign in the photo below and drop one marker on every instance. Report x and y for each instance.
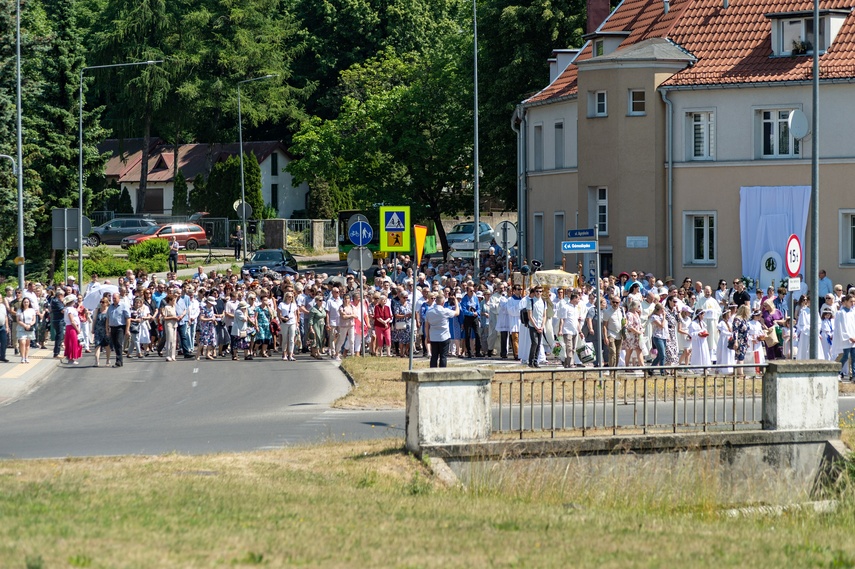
(420, 233)
(396, 226)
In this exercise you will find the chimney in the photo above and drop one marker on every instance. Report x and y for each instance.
(559, 61)
(667, 6)
(725, 4)
(598, 11)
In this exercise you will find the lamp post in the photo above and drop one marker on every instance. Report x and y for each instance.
(477, 229)
(813, 277)
(240, 152)
(80, 157)
(20, 165)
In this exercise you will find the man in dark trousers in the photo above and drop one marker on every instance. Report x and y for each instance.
(57, 321)
(118, 323)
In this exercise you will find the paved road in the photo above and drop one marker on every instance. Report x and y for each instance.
(188, 407)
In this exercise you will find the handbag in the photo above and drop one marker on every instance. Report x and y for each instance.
(771, 338)
(400, 324)
(242, 334)
(731, 343)
(585, 353)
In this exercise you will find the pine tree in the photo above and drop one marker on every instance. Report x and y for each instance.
(179, 194)
(124, 205)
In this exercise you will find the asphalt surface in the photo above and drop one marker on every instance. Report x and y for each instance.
(152, 407)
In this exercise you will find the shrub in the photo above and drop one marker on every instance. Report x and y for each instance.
(151, 249)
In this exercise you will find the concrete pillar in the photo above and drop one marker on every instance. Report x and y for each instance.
(448, 406)
(318, 234)
(800, 395)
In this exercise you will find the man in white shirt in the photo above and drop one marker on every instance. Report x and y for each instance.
(712, 314)
(613, 323)
(568, 324)
(843, 341)
(332, 304)
(436, 328)
(536, 321)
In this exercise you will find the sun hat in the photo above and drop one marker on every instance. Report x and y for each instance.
(242, 304)
(211, 300)
(70, 299)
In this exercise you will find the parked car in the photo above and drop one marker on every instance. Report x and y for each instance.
(278, 260)
(464, 232)
(112, 232)
(190, 235)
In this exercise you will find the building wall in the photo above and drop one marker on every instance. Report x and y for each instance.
(290, 198)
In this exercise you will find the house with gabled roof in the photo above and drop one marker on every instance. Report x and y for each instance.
(125, 167)
(669, 131)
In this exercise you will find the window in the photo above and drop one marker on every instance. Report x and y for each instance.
(699, 239)
(538, 147)
(274, 164)
(274, 196)
(559, 145)
(559, 234)
(538, 236)
(702, 136)
(776, 139)
(603, 210)
(598, 48)
(796, 36)
(600, 104)
(637, 102)
(847, 236)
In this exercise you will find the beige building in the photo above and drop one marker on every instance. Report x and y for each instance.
(669, 132)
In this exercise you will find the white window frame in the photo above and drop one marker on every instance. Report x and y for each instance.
(602, 209)
(537, 226)
(537, 143)
(558, 131)
(598, 104)
(689, 242)
(847, 237)
(777, 120)
(796, 29)
(706, 130)
(631, 103)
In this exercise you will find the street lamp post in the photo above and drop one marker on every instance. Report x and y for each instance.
(240, 152)
(477, 229)
(80, 164)
(813, 277)
(20, 168)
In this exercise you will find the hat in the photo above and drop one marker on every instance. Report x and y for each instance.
(479, 294)
(685, 309)
(211, 300)
(70, 299)
(624, 274)
(659, 284)
(649, 276)
(669, 279)
(161, 282)
(72, 278)
(242, 304)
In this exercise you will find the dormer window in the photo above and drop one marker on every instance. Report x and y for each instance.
(598, 48)
(794, 33)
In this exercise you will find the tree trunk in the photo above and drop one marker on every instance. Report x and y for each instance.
(144, 165)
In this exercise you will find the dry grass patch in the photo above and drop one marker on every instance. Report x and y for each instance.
(369, 504)
(378, 382)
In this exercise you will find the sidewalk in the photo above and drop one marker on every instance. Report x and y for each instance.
(17, 379)
(303, 262)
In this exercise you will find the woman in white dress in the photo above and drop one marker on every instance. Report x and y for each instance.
(826, 332)
(725, 356)
(700, 349)
(756, 333)
(26, 319)
(684, 339)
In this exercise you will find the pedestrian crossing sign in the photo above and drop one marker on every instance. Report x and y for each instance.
(395, 223)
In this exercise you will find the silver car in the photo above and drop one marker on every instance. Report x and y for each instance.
(112, 232)
(464, 232)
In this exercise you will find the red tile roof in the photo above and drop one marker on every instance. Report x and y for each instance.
(732, 45)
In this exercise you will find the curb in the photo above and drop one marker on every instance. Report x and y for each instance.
(19, 380)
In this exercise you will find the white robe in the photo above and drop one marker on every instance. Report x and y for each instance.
(756, 346)
(700, 351)
(803, 330)
(724, 355)
(844, 330)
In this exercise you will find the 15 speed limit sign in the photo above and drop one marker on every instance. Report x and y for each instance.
(794, 256)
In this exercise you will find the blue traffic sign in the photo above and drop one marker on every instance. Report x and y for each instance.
(360, 234)
(578, 246)
(577, 233)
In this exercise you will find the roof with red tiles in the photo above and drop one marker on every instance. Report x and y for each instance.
(192, 159)
(732, 45)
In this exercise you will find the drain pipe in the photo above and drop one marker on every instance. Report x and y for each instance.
(519, 127)
(669, 180)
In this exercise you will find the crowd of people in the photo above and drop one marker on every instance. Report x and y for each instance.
(647, 323)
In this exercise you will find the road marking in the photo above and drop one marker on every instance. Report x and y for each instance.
(195, 384)
(195, 370)
(16, 372)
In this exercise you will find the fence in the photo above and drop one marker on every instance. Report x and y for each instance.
(594, 400)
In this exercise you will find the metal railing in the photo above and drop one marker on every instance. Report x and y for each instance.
(588, 401)
(330, 233)
(299, 233)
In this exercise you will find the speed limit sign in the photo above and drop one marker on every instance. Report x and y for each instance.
(794, 256)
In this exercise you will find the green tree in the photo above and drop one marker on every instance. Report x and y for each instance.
(515, 39)
(402, 136)
(124, 205)
(222, 188)
(179, 194)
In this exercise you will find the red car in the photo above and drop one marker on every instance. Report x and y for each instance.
(190, 235)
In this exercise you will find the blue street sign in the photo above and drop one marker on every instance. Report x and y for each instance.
(360, 234)
(577, 233)
(578, 246)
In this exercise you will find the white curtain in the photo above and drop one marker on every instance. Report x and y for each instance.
(768, 215)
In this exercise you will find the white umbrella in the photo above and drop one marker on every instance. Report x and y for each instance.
(94, 297)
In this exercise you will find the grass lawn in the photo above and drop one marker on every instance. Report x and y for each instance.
(369, 504)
